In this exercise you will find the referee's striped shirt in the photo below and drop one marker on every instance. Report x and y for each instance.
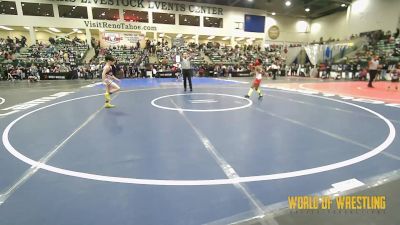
(185, 64)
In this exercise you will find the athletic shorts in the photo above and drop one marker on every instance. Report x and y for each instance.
(256, 82)
(107, 82)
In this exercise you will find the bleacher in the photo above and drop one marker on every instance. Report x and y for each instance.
(169, 56)
(197, 59)
(72, 54)
(122, 55)
(227, 56)
(387, 48)
(215, 57)
(6, 49)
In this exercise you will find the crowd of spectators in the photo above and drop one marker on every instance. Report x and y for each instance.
(58, 56)
(208, 59)
(9, 46)
(222, 60)
(384, 45)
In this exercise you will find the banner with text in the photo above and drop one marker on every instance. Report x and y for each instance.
(114, 39)
(146, 4)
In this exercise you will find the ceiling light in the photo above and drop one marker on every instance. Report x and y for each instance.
(226, 38)
(179, 36)
(274, 13)
(288, 3)
(12, 7)
(194, 37)
(211, 37)
(54, 30)
(5, 28)
(307, 9)
(240, 39)
(75, 30)
(26, 28)
(80, 32)
(343, 5)
(250, 0)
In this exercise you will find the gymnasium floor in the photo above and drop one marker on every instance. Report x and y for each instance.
(164, 156)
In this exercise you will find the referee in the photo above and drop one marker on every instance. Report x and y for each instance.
(186, 71)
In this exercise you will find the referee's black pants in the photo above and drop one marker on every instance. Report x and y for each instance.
(187, 74)
(372, 75)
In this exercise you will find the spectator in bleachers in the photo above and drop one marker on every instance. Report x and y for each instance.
(20, 73)
(373, 67)
(138, 45)
(363, 74)
(395, 74)
(52, 40)
(274, 69)
(10, 75)
(9, 40)
(396, 35)
(34, 74)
